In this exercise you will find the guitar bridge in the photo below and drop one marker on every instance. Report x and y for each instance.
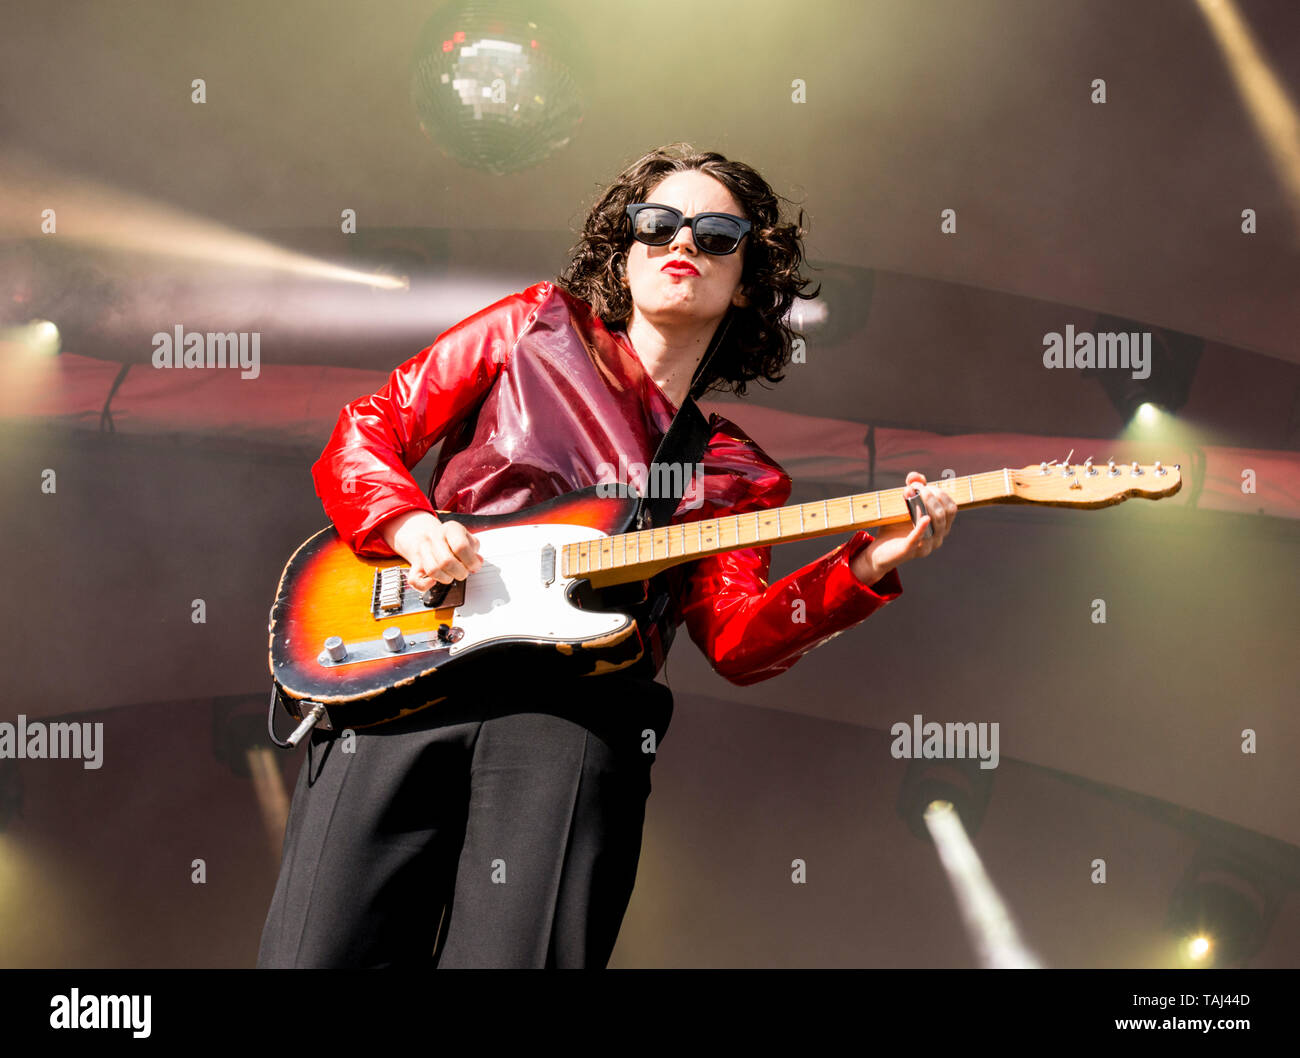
(392, 596)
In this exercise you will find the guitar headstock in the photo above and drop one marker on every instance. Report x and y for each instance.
(1086, 485)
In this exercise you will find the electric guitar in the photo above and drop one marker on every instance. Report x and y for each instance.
(353, 645)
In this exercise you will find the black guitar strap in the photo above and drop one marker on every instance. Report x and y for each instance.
(683, 445)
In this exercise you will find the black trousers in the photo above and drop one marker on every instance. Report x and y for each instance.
(499, 832)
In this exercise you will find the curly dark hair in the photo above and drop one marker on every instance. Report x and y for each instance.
(759, 341)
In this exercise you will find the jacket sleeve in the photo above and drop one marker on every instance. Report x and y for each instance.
(750, 630)
(363, 475)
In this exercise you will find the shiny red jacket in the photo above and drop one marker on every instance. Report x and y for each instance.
(534, 397)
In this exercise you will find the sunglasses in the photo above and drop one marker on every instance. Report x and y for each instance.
(715, 233)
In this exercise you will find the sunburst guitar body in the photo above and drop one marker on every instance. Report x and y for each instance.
(349, 633)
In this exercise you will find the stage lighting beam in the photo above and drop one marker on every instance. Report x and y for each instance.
(95, 215)
(1263, 94)
(988, 921)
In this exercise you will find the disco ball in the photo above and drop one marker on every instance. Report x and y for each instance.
(492, 84)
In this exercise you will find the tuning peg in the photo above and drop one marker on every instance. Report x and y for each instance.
(1110, 468)
(1137, 470)
(1042, 468)
(1160, 470)
(1088, 468)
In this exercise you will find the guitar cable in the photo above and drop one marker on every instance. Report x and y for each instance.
(270, 719)
(309, 721)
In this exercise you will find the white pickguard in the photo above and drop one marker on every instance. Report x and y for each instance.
(506, 597)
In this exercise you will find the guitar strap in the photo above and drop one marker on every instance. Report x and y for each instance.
(683, 445)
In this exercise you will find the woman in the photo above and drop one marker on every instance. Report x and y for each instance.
(504, 828)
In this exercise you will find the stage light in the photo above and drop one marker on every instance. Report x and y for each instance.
(1220, 912)
(840, 307)
(805, 315)
(44, 337)
(97, 215)
(1165, 362)
(39, 336)
(271, 792)
(239, 742)
(989, 924)
(1263, 93)
(959, 783)
(402, 283)
(945, 799)
(402, 266)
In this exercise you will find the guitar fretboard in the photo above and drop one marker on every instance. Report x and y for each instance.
(633, 556)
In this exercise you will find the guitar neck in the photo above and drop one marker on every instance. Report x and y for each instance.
(640, 555)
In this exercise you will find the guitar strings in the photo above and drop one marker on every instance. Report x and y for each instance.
(968, 481)
(883, 493)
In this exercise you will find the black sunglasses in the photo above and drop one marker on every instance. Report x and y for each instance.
(715, 233)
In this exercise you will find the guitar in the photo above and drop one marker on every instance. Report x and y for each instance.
(561, 588)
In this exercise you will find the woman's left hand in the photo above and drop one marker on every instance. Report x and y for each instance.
(896, 544)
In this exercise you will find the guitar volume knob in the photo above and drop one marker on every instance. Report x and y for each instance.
(393, 640)
(335, 648)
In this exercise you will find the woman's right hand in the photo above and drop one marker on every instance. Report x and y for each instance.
(438, 552)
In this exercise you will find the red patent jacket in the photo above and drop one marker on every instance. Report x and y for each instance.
(534, 397)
